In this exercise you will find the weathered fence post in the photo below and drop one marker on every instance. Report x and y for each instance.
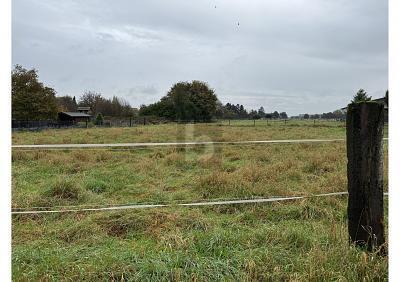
(285, 121)
(314, 122)
(254, 122)
(144, 120)
(365, 174)
(86, 123)
(130, 121)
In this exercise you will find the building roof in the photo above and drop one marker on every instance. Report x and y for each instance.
(83, 108)
(378, 100)
(75, 114)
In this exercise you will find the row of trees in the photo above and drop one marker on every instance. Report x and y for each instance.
(360, 96)
(232, 111)
(197, 101)
(330, 115)
(32, 100)
(114, 107)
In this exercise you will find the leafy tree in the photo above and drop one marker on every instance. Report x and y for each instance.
(66, 104)
(361, 96)
(30, 99)
(275, 115)
(306, 116)
(219, 110)
(261, 112)
(338, 114)
(90, 99)
(283, 115)
(315, 116)
(254, 114)
(116, 107)
(185, 101)
(242, 111)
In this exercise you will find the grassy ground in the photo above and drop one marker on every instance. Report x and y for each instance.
(299, 241)
(238, 130)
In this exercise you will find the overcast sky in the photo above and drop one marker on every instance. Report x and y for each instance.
(298, 56)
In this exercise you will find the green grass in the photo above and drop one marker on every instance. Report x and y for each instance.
(221, 131)
(304, 240)
(299, 241)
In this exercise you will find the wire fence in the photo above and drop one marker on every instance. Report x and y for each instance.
(143, 121)
(160, 144)
(98, 208)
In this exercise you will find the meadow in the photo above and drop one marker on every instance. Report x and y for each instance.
(220, 131)
(298, 240)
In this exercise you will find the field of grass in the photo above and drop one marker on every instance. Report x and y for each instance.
(238, 130)
(299, 240)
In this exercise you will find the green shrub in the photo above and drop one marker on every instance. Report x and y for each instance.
(99, 119)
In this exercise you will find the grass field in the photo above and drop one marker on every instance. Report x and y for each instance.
(238, 130)
(299, 240)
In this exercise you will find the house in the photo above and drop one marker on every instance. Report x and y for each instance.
(73, 117)
(85, 110)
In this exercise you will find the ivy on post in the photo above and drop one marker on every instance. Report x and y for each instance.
(364, 130)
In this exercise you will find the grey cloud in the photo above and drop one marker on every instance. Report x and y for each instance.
(295, 55)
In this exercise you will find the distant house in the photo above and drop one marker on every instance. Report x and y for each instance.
(85, 110)
(73, 117)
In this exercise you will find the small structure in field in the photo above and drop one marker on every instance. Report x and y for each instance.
(73, 117)
(84, 110)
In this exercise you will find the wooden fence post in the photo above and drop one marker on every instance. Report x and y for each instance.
(86, 123)
(254, 122)
(130, 121)
(144, 120)
(365, 174)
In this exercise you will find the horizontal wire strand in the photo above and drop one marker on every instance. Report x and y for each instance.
(191, 204)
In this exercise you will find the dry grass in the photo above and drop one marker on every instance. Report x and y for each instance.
(168, 174)
(179, 132)
(304, 240)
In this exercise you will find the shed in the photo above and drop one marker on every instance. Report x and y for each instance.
(85, 110)
(73, 116)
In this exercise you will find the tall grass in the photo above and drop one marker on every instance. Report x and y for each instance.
(303, 240)
(241, 130)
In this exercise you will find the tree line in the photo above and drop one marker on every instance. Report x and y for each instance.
(195, 100)
(232, 111)
(360, 96)
(32, 100)
(338, 115)
(114, 107)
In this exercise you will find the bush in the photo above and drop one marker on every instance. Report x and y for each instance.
(99, 119)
